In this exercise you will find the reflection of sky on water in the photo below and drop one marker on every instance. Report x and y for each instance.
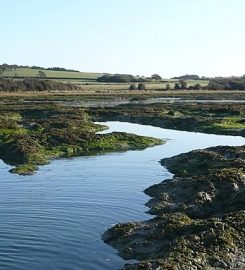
(55, 219)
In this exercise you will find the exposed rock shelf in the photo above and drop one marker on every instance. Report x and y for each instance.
(200, 215)
(214, 118)
(31, 135)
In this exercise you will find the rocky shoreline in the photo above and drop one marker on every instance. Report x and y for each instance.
(200, 217)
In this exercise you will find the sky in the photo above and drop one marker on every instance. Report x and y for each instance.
(140, 37)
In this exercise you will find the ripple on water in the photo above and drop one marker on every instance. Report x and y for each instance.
(55, 219)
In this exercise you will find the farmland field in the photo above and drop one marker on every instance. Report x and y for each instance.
(88, 78)
(60, 75)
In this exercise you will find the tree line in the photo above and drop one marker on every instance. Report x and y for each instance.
(215, 84)
(5, 67)
(227, 84)
(126, 78)
(32, 84)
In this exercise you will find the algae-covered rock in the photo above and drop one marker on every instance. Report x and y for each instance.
(200, 162)
(200, 215)
(32, 135)
(178, 242)
(211, 118)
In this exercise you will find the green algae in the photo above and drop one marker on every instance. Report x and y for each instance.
(33, 135)
(215, 118)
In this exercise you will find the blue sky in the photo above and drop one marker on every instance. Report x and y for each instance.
(168, 37)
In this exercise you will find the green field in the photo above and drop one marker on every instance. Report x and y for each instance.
(57, 75)
(88, 80)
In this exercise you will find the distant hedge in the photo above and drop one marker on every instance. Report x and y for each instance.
(8, 85)
(9, 67)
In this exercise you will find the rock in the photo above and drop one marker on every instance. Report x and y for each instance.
(200, 215)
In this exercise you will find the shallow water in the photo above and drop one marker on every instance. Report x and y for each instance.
(54, 220)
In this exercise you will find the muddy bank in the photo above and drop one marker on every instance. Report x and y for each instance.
(31, 135)
(100, 92)
(200, 215)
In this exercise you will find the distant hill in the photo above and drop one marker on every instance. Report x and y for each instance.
(187, 77)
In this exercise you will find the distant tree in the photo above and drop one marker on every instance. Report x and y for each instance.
(183, 84)
(167, 86)
(176, 86)
(3, 68)
(132, 87)
(187, 77)
(156, 77)
(41, 74)
(36, 67)
(141, 86)
(197, 86)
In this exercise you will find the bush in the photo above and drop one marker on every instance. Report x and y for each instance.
(132, 87)
(180, 85)
(167, 86)
(141, 86)
(176, 86)
(156, 77)
(197, 86)
(42, 74)
(183, 85)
